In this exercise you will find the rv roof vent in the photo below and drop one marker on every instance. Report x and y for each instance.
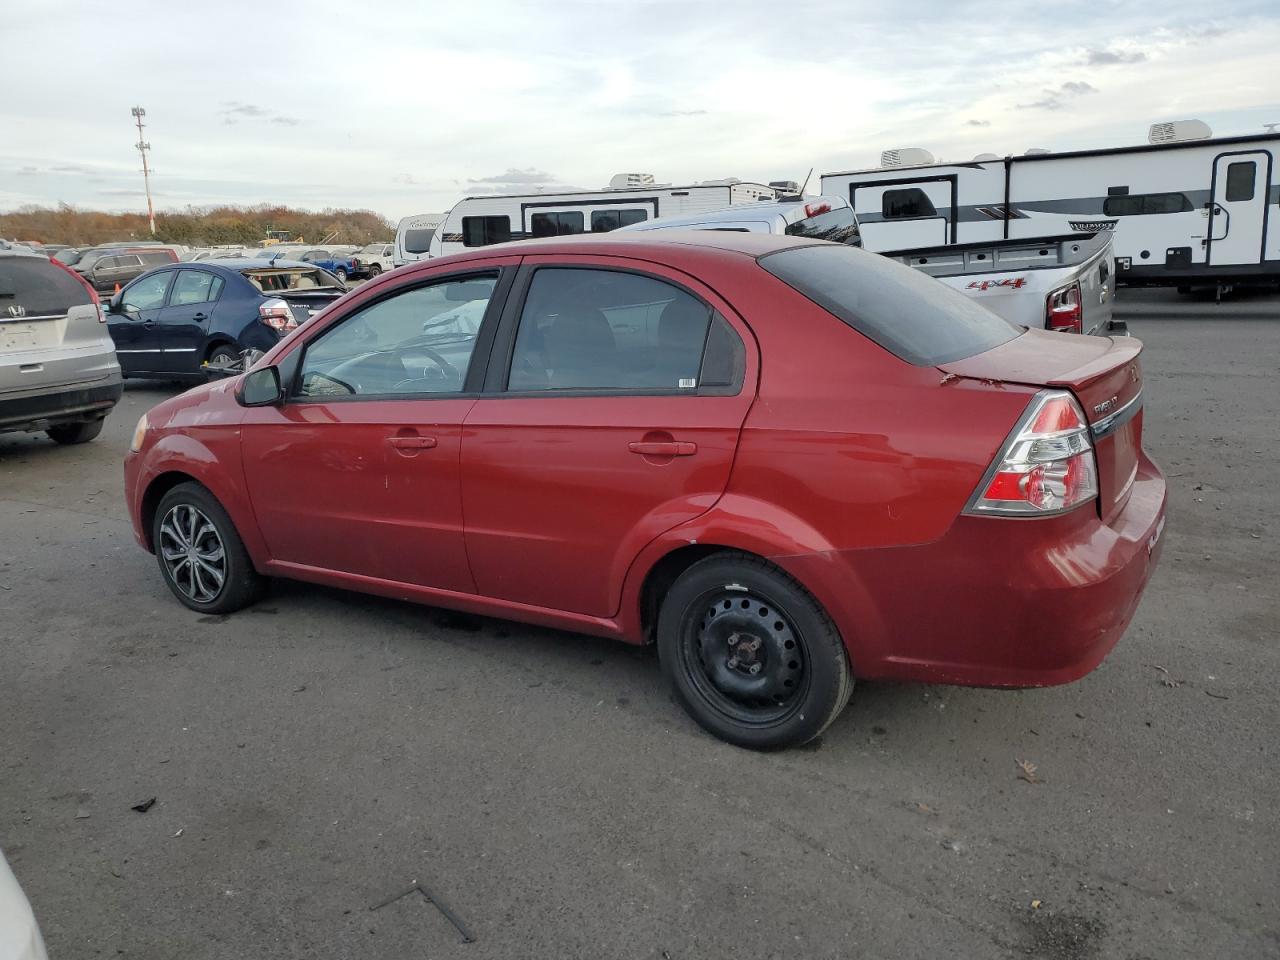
(1177, 130)
(722, 182)
(621, 181)
(986, 156)
(1035, 152)
(906, 157)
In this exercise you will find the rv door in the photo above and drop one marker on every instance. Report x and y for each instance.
(1238, 210)
(905, 213)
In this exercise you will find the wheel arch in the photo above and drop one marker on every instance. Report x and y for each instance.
(154, 493)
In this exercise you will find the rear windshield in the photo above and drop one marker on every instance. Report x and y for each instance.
(910, 314)
(418, 240)
(37, 288)
(838, 226)
(284, 279)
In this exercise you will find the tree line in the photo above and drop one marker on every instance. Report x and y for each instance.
(194, 226)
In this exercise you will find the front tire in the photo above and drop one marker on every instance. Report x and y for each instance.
(374, 271)
(201, 556)
(341, 274)
(751, 654)
(69, 433)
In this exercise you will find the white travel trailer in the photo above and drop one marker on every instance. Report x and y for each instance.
(413, 237)
(630, 198)
(1183, 208)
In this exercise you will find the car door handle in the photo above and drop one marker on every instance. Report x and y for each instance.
(663, 448)
(412, 443)
(198, 316)
(148, 324)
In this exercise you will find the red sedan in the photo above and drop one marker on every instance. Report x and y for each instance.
(789, 463)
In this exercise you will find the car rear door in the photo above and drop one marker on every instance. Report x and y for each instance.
(357, 472)
(184, 322)
(613, 405)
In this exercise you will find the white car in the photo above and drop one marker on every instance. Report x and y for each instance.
(19, 935)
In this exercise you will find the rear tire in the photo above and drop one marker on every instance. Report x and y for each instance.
(751, 654)
(374, 271)
(69, 433)
(223, 355)
(201, 556)
(341, 274)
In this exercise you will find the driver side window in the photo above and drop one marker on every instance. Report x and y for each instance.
(418, 341)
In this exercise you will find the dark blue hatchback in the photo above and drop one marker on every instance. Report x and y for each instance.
(172, 321)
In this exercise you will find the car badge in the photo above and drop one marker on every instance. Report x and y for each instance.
(17, 310)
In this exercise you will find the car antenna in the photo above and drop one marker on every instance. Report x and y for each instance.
(806, 183)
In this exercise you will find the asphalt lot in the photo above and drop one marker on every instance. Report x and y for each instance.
(323, 751)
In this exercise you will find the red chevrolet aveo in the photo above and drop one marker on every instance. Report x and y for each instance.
(787, 462)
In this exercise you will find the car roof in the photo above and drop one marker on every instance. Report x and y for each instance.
(642, 243)
(243, 263)
(740, 212)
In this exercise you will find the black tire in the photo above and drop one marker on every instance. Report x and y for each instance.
(374, 270)
(341, 274)
(82, 432)
(241, 585)
(765, 620)
(222, 355)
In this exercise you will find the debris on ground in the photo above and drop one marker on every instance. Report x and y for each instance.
(1027, 772)
(179, 833)
(1035, 904)
(1167, 680)
(145, 805)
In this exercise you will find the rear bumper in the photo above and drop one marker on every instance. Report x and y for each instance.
(996, 602)
(59, 405)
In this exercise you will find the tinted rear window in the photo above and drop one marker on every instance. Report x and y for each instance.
(910, 314)
(38, 287)
(838, 226)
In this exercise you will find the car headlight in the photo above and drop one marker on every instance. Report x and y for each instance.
(139, 434)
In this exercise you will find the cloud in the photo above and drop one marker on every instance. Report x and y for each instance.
(28, 171)
(230, 107)
(119, 193)
(1106, 58)
(405, 178)
(530, 176)
(69, 168)
(977, 123)
(681, 113)
(1052, 99)
(233, 111)
(286, 121)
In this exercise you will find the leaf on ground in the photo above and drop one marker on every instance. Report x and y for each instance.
(1027, 772)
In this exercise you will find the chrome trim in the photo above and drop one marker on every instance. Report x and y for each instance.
(1114, 421)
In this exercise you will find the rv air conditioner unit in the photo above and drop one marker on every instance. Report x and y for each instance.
(984, 157)
(788, 188)
(624, 181)
(1178, 130)
(906, 157)
(1035, 152)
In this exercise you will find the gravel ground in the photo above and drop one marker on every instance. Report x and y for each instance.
(325, 751)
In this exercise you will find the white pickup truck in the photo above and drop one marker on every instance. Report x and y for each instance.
(373, 259)
(1056, 283)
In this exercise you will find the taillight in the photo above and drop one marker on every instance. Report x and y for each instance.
(275, 313)
(813, 209)
(355, 264)
(1062, 309)
(93, 294)
(1046, 468)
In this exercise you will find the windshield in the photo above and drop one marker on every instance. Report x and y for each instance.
(838, 226)
(910, 314)
(290, 280)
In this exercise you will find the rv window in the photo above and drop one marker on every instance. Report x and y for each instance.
(555, 224)
(602, 221)
(1240, 181)
(482, 231)
(1140, 204)
(588, 329)
(905, 204)
(418, 240)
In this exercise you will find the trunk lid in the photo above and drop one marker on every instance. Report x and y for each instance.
(1104, 374)
(306, 289)
(306, 304)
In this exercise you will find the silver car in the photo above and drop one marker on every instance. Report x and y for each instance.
(58, 368)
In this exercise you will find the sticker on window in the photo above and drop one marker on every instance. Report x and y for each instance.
(688, 383)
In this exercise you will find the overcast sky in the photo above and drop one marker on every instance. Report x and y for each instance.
(405, 107)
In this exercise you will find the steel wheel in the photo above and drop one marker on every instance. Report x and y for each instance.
(745, 657)
(193, 553)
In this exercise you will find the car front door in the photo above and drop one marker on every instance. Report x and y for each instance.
(184, 322)
(357, 471)
(612, 411)
(134, 324)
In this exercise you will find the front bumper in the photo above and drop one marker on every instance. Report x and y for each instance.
(996, 602)
(66, 404)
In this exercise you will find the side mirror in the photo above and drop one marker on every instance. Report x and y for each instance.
(261, 388)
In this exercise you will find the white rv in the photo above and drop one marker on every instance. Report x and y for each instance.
(630, 198)
(413, 237)
(1183, 208)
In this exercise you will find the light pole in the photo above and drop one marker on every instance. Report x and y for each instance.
(143, 147)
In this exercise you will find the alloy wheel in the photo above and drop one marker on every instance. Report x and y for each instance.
(193, 553)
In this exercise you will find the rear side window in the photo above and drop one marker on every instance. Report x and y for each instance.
(555, 224)
(1240, 181)
(194, 286)
(910, 314)
(587, 329)
(482, 231)
(905, 204)
(838, 226)
(35, 287)
(602, 221)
